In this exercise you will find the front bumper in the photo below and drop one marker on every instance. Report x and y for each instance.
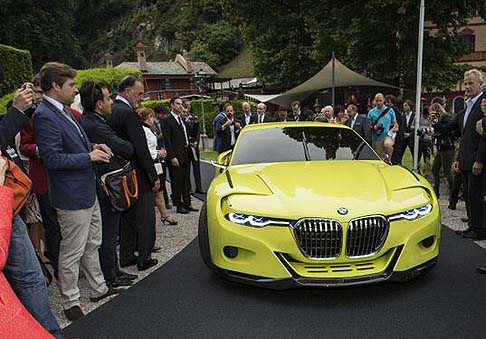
(297, 281)
(271, 257)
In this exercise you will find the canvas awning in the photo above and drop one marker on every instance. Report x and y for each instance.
(344, 77)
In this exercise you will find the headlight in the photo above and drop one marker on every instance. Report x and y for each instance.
(413, 213)
(254, 220)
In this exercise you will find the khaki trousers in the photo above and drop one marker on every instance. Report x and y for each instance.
(81, 239)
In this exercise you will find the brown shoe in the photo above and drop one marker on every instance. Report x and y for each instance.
(74, 313)
(111, 291)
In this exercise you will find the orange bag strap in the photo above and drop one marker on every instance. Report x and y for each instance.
(126, 189)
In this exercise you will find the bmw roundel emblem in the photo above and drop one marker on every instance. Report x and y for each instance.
(342, 210)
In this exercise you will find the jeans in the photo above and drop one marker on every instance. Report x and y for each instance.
(25, 276)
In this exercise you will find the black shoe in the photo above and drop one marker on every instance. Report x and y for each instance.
(111, 291)
(452, 207)
(191, 209)
(200, 191)
(74, 313)
(474, 235)
(146, 264)
(481, 269)
(168, 220)
(461, 232)
(127, 276)
(119, 282)
(464, 219)
(128, 262)
(182, 211)
(156, 249)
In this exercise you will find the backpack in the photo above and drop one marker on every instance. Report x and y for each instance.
(19, 183)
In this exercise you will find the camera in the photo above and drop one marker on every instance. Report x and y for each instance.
(379, 129)
(423, 131)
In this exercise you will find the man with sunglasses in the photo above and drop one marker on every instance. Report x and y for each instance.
(96, 101)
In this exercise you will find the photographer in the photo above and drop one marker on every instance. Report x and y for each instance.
(228, 129)
(444, 141)
(425, 132)
(382, 119)
(22, 268)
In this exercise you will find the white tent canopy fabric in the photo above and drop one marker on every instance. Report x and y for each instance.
(343, 77)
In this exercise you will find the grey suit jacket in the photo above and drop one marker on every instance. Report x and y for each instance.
(362, 127)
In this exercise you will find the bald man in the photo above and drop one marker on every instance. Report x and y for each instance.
(384, 127)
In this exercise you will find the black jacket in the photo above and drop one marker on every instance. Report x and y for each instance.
(124, 121)
(361, 126)
(99, 132)
(174, 140)
(225, 135)
(472, 146)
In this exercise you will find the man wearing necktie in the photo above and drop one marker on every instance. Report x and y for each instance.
(228, 129)
(178, 156)
(261, 113)
(296, 110)
(68, 156)
(472, 156)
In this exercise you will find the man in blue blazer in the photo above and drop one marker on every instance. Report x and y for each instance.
(68, 156)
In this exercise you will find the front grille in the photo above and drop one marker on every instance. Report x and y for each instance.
(319, 238)
(366, 236)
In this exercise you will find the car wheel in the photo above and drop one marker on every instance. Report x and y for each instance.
(204, 239)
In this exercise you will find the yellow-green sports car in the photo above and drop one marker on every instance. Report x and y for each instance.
(311, 204)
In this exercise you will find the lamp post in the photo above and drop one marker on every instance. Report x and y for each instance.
(198, 76)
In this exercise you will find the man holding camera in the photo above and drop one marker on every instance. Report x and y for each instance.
(228, 129)
(383, 126)
(22, 267)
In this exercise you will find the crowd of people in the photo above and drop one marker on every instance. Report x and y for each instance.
(65, 152)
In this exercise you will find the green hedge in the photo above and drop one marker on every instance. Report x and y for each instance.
(112, 76)
(17, 68)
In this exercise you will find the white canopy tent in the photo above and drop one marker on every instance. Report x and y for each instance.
(343, 77)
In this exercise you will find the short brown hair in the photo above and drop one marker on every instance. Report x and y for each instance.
(55, 72)
(145, 113)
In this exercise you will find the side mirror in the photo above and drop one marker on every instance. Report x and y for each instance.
(223, 161)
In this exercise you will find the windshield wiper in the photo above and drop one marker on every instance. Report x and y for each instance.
(306, 149)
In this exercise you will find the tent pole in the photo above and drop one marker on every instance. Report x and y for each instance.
(418, 90)
(333, 78)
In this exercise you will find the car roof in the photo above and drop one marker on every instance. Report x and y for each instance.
(269, 125)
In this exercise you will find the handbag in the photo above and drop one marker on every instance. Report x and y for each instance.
(121, 186)
(19, 183)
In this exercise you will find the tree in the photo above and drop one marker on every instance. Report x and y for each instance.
(42, 27)
(292, 40)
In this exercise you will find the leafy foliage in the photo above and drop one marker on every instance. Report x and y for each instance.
(111, 76)
(42, 27)
(292, 40)
(17, 68)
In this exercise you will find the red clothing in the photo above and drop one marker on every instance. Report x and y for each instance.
(15, 320)
(28, 147)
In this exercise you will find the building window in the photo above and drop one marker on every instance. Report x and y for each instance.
(469, 42)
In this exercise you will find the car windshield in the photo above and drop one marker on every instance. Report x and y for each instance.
(303, 143)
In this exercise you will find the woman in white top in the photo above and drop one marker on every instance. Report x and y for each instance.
(147, 117)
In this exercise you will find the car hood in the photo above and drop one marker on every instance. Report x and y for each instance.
(320, 188)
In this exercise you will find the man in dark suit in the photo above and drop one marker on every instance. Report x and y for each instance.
(262, 115)
(282, 114)
(96, 101)
(359, 123)
(228, 129)
(68, 156)
(247, 118)
(138, 228)
(472, 156)
(297, 111)
(193, 132)
(178, 156)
